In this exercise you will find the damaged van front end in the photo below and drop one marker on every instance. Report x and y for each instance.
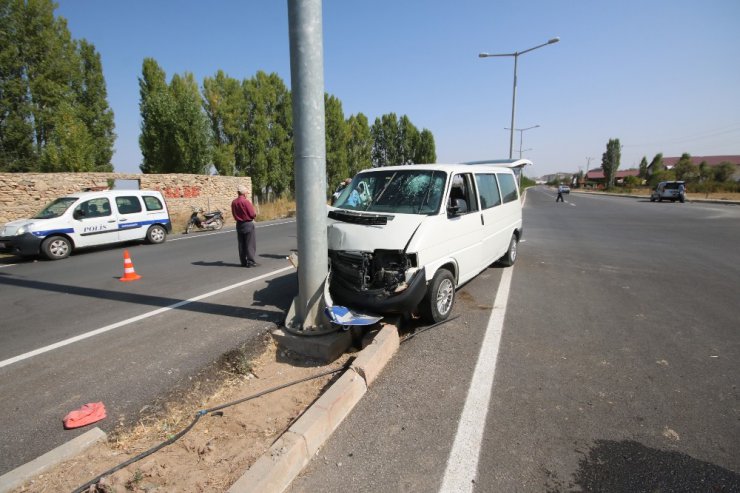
(382, 281)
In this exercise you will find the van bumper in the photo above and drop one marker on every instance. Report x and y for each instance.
(26, 244)
(378, 301)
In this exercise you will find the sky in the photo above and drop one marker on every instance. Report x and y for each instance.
(660, 75)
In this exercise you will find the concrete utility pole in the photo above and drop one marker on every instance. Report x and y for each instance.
(307, 86)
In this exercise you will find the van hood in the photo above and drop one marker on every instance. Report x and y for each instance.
(11, 228)
(394, 235)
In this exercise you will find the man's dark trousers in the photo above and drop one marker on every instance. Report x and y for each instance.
(247, 242)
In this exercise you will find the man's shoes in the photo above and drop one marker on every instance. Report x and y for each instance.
(252, 264)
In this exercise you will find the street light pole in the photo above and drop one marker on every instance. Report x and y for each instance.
(521, 138)
(513, 97)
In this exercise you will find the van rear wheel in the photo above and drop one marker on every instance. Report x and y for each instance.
(510, 257)
(156, 234)
(56, 247)
(437, 303)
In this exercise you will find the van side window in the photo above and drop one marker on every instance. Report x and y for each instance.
(462, 193)
(508, 187)
(488, 190)
(128, 205)
(94, 208)
(152, 203)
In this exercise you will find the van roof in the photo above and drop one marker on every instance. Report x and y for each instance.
(114, 193)
(480, 166)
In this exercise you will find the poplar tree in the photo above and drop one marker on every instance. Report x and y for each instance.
(426, 153)
(610, 161)
(175, 132)
(337, 168)
(359, 144)
(54, 114)
(643, 168)
(225, 106)
(265, 153)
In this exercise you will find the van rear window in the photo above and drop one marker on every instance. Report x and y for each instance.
(508, 187)
(152, 203)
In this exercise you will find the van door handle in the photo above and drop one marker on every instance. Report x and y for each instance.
(111, 220)
(123, 219)
(482, 221)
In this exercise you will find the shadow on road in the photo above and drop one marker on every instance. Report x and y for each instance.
(278, 293)
(631, 466)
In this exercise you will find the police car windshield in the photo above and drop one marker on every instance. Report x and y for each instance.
(404, 192)
(56, 208)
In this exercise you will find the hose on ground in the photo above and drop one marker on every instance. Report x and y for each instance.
(197, 417)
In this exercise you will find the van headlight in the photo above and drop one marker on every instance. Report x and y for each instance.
(22, 230)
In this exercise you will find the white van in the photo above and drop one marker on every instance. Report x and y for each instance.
(88, 219)
(403, 238)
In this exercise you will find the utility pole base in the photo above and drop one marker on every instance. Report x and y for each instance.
(324, 348)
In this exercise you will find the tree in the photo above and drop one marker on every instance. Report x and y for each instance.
(224, 104)
(408, 141)
(656, 168)
(94, 111)
(190, 128)
(157, 112)
(426, 152)
(684, 168)
(175, 132)
(48, 79)
(265, 150)
(337, 168)
(385, 134)
(643, 168)
(610, 161)
(724, 172)
(359, 144)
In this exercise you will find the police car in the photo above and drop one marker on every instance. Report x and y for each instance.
(88, 219)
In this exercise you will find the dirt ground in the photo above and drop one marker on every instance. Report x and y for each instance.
(219, 448)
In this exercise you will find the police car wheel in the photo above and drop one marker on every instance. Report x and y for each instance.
(56, 247)
(156, 234)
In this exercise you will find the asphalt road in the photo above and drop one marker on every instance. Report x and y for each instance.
(141, 356)
(617, 368)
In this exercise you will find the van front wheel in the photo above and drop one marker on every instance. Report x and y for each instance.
(437, 304)
(156, 234)
(510, 257)
(56, 247)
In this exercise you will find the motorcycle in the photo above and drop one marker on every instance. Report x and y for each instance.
(211, 221)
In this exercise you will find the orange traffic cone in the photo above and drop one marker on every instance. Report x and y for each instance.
(128, 269)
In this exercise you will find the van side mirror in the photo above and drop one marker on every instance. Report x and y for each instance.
(454, 208)
(78, 214)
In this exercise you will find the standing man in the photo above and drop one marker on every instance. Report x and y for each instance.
(243, 212)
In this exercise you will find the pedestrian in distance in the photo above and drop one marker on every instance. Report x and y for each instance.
(243, 212)
(560, 195)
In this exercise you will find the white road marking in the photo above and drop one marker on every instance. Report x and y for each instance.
(462, 464)
(6, 265)
(137, 318)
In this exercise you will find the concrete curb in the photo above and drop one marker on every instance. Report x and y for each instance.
(15, 478)
(276, 469)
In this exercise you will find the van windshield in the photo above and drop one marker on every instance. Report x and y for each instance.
(56, 208)
(403, 192)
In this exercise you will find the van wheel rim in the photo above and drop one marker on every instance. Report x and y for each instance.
(157, 234)
(513, 249)
(58, 248)
(444, 296)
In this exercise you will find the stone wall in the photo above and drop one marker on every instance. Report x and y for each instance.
(24, 194)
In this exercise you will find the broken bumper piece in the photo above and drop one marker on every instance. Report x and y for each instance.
(378, 300)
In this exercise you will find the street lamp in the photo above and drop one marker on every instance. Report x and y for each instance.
(513, 99)
(521, 138)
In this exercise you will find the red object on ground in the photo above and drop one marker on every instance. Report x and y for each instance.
(89, 413)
